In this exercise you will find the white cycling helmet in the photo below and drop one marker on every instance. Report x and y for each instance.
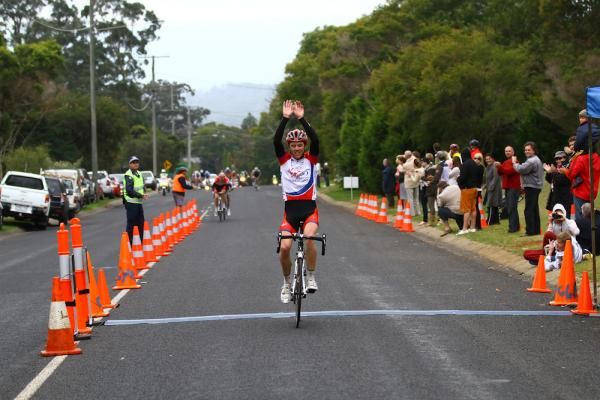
(296, 135)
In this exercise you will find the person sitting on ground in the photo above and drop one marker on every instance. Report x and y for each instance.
(557, 223)
(555, 251)
(448, 201)
(584, 223)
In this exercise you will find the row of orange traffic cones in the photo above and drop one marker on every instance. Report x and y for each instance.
(74, 304)
(367, 208)
(566, 289)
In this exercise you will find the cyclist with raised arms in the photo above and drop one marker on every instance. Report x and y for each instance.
(221, 186)
(298, 177)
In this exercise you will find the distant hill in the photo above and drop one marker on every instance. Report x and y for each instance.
(230, 104)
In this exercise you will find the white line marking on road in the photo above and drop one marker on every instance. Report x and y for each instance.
(39, 380)
(343, 313)
(49, 369)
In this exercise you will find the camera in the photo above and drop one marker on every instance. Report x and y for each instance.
(556, 215)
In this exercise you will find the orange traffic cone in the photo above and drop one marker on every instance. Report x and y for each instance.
(175, 227)
(585, 305)
(66, 285)
(138, 250)
(373, 208)
(399, 220)
(170, 239)
(359, 205)
(97, 309)
(126, 277)
(539, 282)
(60, 335)
(148, 248)
(408, 225)
(82, 291)
(482, 218)
(163, 235)
(103, 289)
(382, 218)
(566, 291)
(156, 240)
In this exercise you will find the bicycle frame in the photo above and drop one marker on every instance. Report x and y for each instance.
(298, 288)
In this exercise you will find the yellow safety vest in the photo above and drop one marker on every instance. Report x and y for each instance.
(138, 186)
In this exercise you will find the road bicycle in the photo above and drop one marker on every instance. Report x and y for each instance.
(298, 288)
(221, 209)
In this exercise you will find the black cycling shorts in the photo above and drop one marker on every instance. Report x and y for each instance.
(297, 211)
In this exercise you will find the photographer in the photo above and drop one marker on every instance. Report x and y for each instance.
(557, 223)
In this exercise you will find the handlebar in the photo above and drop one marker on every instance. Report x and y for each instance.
(296, 237)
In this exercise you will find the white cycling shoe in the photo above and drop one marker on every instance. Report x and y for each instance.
(311, 284)
(215, 212)
(228, 212)
(286, 293)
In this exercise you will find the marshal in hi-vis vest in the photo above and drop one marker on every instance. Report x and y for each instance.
(138, 186)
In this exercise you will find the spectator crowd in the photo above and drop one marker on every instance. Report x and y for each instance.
(455, 184)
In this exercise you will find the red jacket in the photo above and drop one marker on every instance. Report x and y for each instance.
(510, 178)
(581, 167)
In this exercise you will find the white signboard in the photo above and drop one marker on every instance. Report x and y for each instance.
(351, 182)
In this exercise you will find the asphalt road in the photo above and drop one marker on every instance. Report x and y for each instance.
(231, 268)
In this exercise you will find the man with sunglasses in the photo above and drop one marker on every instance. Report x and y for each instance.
(133, 196)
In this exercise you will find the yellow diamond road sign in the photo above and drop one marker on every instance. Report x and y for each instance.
(167, 164)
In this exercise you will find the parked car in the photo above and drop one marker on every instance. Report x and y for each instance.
(25, 196)
(59, 200)
(73, 180)
(104, 182)
(120, 179)
(74, 204)
(91, 191)
(149, 180)
(116, 186)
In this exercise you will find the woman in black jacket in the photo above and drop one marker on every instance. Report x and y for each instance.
(560, 186)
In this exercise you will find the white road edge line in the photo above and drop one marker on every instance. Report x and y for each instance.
(33, 386)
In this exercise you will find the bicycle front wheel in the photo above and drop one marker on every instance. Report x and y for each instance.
(298, 291)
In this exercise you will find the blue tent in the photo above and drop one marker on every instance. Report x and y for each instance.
(593, 111)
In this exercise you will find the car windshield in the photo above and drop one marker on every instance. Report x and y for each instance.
(24, 182)
(101, 175)
(68, 183)
(146, 175)
(118, 177)
(54, 187)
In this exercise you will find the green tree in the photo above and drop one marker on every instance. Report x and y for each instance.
(28, 159)
(27, 91)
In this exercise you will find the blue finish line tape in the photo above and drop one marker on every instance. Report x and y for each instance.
(349, 313)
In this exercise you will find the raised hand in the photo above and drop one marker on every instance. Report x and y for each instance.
(298, 109)
(288, 108)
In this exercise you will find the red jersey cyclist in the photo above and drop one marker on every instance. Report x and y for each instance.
(221, 186)
(298, 177)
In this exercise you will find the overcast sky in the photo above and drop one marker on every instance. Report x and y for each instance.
(215, 42)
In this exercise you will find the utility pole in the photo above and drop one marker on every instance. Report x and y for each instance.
(94, 126)
(189, 138)
(153, 121)
(172, 118)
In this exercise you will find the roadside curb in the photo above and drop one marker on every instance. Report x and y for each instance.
(502, 259)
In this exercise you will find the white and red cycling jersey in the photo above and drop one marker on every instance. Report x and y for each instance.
(298, 177)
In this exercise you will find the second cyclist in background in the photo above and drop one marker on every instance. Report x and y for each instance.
(255, 177)
(221, 188)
